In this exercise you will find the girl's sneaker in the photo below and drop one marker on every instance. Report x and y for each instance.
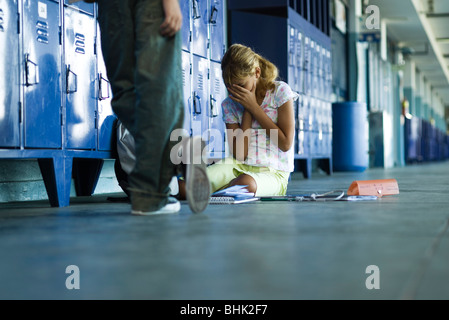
(197, 182)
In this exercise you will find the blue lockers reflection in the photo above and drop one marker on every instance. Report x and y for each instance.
(9, 74)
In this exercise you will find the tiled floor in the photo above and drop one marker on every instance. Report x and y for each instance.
(263, 250)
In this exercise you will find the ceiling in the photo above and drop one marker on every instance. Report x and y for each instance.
(424, 32)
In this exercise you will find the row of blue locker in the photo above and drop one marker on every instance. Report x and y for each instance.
(311, 144)
(286, 33)
(309, 64)
(204, 91)
(53, 47)
(315, 12)
(424, 142)
(301, 52)
(314, 114)
(54, 90)
(203, 29)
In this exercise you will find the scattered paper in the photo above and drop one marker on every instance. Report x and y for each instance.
(238, 192)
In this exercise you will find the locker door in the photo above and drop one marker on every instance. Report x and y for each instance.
(303, 141)
(292, 69)
(42, 79)
(186, 6)
(328, 75)
(216, 27)
(299, 61)
(80, 79)
(217, 144)
(200, 22)
(306, 112)
(200, 92)
(313, 67)
(307, 66)
(301, 113)
(187, 89)
(106, 116)
(321, 81)
(312, 114)
(9, 74)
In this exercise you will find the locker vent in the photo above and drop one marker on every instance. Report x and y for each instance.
(2, 21)
(42, 31)
(217, 86)
(200, 82)
(183, 77)
(80, 43)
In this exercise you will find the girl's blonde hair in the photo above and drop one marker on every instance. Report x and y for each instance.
(240, 62)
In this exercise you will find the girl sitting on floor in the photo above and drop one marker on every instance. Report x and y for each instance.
(260, 123)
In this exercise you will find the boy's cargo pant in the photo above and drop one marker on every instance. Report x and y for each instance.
(145, 73)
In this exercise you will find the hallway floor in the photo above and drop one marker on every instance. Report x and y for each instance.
(256, 251)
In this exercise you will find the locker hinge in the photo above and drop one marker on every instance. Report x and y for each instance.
(95, 46)
(20, 113)
(18, 23)
(62, 116)
(60, 36)
(96, 120)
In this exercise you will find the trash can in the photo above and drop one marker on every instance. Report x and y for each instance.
(350, 136)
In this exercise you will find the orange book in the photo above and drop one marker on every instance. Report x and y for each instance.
(379, 188)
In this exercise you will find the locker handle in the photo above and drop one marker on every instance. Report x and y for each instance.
(213, 15)
(213, 107)
(30, 68)
(69, 82)
(196, 10)
(196, 104)
(104, 88)
(1, 21)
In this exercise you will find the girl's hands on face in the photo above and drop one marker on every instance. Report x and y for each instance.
(247, 98)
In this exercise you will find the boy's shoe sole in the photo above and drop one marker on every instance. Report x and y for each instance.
(197, 183)
(173, 206)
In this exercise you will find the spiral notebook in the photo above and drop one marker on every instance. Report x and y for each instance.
(232, 195)
(229, 200)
